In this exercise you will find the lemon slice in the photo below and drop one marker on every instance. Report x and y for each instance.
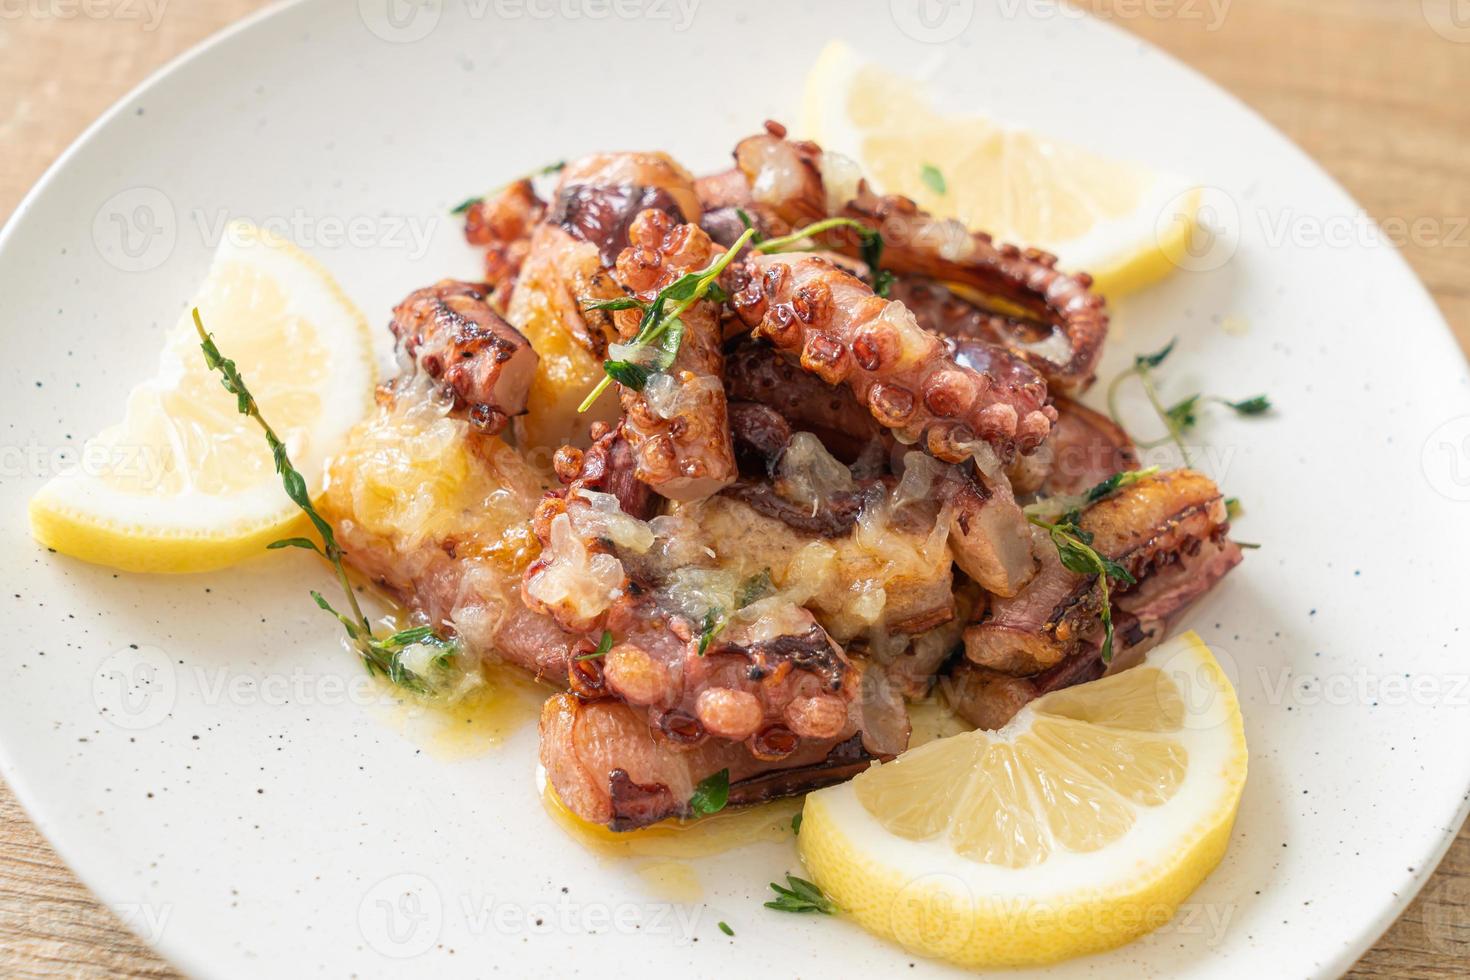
(184, 483)
(1118, 221)
(1079, 826)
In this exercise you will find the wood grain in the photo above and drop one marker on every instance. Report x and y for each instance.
(1367, 87)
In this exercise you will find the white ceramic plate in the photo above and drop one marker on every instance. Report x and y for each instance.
(217, 787)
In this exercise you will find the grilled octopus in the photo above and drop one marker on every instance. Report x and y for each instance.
(812, 514)
(676, 424)
(1168, 531)
(452, 335)
(812, 308)
(1060, 325)
(769, 692)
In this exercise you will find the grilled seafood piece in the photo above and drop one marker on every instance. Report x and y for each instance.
(559, 276)
(1169, 532)
(609, 768)
(565, 265)
(454, 337)
(1059, 323)
(758, 374)
(502, 225)
(810, 307)
(437, 513)
(722, 617)
(988, 535)
(599, 197)
(677, 424)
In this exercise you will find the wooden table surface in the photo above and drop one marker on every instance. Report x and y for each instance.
(1377, 90)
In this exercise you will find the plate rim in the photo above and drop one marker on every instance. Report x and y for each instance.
(178, 956)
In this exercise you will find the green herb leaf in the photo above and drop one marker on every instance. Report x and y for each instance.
(1259, 405)
(756, 587)
(725, 928)
(800, 896)
(1233, 509)
(756, 237)
(713, 622)
(1068, 506)
(621, 303)
(1117, 482)
(882, 283)
(796, 822)
(603, 646)
(1182, 413)
(1074, 548)
(711, 795)
(307, 543)
(1157, 357)
(933, 179)
(465, 205)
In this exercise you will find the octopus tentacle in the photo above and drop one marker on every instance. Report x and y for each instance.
(607, 767)
(1168, 531)
(677, 424)
(503, 224)
(454, 337)
(797, 182)
(806, 305)
(757, 373)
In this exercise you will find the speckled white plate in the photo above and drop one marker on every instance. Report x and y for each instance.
(191, 745)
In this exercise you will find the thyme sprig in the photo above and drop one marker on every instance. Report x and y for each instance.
(1074, 547)
(800, 895)
(382, 656)
(1060, 517)
(660, 331)
(870, 248)
(1183, 415)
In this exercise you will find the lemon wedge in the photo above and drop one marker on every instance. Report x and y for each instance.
(1124, 224)
(1081, 825)
(184, 483)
